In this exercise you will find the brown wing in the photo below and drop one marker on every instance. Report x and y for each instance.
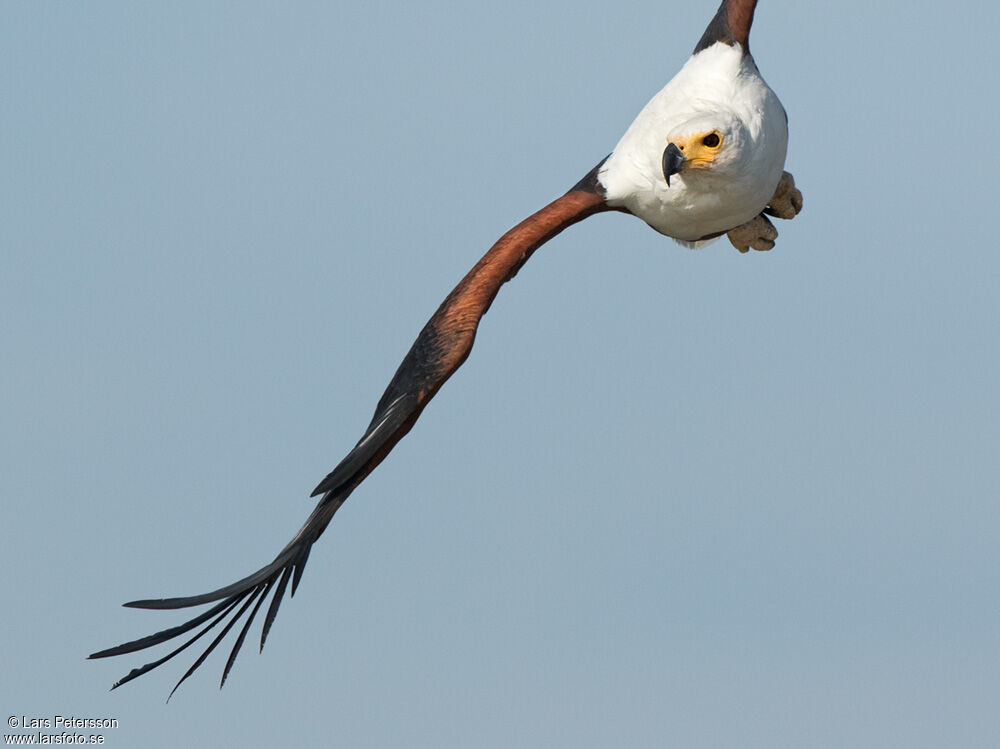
(439, 350)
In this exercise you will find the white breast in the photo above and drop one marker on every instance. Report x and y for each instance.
(719, 82)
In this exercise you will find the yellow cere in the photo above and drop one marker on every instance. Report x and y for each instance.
(700, 148)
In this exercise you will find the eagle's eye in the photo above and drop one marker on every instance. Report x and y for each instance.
(712, 140)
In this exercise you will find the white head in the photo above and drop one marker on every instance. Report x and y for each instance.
(706, 153)
(709, 145)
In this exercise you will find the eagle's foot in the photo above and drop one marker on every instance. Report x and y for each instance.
(758, 233)
(787, 200)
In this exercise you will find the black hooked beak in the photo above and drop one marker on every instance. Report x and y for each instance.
(673, 161)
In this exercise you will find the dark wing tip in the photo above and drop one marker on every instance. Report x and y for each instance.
(220, 612)
(287, 567)
(251, 589)
(162, 636)
(730, 25)
(240, 586)
(243, 633)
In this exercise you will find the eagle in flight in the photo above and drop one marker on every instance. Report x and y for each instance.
(705, 157)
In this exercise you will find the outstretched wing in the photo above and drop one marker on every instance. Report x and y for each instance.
(439, 350)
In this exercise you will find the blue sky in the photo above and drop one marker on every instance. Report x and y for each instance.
(673, 498)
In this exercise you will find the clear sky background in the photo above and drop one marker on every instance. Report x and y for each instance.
(674, 498)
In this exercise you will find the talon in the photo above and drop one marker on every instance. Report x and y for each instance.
(787, 200)
(758, 233)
